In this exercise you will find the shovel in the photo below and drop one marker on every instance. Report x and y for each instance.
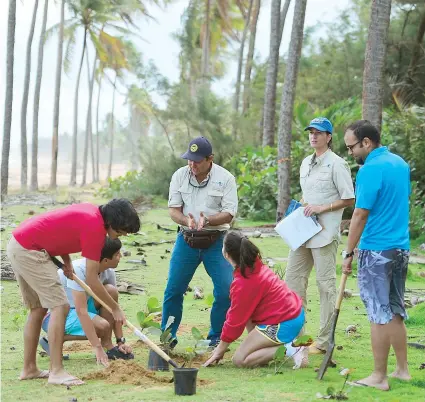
(135, 330)
(328, 356)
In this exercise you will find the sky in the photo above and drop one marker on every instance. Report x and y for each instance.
(156, 44)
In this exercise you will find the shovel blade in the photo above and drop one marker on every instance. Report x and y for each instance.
(326, 361)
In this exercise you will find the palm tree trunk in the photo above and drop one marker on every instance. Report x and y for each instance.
(73, 180)
(373, 75)
(8, 101)
(34, 156)
(206, 42)
(287, 107)
(24, 151)
(111, 134)
(165, 130)
(55, 138)
(97, 177)
(250, 57)
(417, 49)
(239, 73)
(283, 19)
(271, 79)
(88, 121)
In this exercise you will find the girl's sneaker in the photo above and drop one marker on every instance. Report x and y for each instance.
(300, 358)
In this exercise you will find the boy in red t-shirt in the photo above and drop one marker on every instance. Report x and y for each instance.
(76, 228)
(271, 312)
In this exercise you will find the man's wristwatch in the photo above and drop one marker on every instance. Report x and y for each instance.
(120, 340)
(346, 254)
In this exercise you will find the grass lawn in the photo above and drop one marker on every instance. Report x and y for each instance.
(224, 382)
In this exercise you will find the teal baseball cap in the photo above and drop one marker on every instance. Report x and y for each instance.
(321, 124)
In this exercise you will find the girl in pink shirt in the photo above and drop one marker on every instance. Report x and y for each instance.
(263, 304)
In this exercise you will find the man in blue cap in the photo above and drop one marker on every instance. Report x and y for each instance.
(203, 202)
(327, 188)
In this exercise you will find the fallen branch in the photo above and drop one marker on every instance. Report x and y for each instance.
(416, 345)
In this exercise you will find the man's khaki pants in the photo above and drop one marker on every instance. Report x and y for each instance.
(299, 267)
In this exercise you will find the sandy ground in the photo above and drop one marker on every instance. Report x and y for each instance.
(63, 175)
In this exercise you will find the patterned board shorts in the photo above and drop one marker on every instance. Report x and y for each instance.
(382, 279)
(284, 332)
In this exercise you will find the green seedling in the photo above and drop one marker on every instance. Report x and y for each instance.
(338, 395)
(280, 357)
(146, 318)
(199, 347)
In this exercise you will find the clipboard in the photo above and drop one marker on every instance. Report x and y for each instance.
(297, 228)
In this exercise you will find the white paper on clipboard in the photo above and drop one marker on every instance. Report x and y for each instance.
(297, 228)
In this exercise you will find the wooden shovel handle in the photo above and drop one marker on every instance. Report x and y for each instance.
(341, 291)
(135, 330)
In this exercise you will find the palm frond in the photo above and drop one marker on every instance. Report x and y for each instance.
(53, 30)
(69, 54)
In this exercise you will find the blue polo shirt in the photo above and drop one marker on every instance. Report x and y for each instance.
(383, 187)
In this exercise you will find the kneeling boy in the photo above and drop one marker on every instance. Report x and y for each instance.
(86, 318)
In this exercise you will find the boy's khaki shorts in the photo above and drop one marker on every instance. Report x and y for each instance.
(37, 277)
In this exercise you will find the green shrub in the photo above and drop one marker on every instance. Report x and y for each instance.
(417, 212)
(127, 186)
(158, 165)
(256, 178)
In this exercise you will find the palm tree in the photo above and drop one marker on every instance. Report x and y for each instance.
(142, 104)
(93, 16)
(111, 130)
(239, 72)
(8, 101)
(250, 56)
(417, 49)
(271, 79)
(283, 18)
(99, 76)
(373, 75)
(55, 138)
(34, 155)
(24, 156)
(287, 107)
(88, 135)
(73, 179)
(216, 23)
(206, 43)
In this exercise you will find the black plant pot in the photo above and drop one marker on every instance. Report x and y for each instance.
(185, 381)
(157, 363)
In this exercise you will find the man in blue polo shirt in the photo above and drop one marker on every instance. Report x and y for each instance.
(381, 222)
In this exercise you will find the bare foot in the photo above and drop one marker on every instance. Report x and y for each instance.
(300, 358)
(401, 375)
(34, 375)
(372, 381)
(63, 378)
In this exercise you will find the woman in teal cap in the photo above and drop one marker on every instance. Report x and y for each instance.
(327, 188)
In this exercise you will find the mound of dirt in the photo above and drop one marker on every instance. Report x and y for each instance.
(77, 346)
(197, 362)
(125, 372)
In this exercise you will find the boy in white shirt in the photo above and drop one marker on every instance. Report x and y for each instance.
(87, 319)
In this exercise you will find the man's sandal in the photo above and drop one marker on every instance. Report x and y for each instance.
(115, 353)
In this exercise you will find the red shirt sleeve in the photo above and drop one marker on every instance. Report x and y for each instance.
(245, 296)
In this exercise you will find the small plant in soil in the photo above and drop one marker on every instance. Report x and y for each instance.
(338, 395)
(146, 318)
(165, 337)
(280, 357)
(199, 347)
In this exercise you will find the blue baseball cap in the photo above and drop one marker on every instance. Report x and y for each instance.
(321, 124)
(199, 148)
